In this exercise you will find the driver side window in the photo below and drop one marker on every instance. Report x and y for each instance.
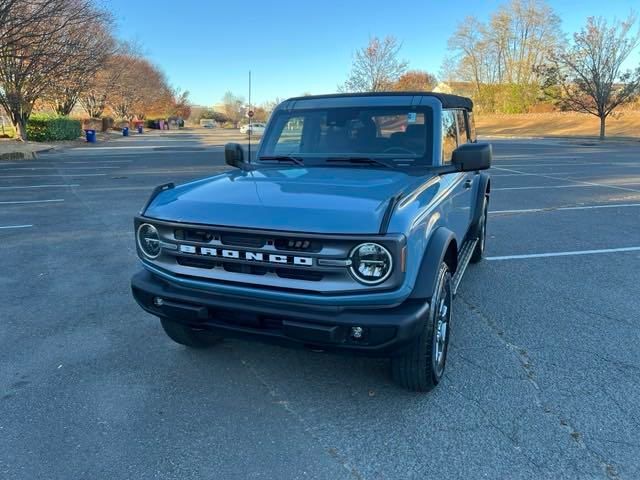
(449, 136)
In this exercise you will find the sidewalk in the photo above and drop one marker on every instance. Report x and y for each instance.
(13, 150)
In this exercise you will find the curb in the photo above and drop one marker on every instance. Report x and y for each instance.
(24, 155)
(18, 156)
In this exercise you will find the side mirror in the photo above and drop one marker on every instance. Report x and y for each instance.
(234, 155)
(472, 156)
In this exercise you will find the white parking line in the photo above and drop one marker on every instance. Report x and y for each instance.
(576, 182)
(565, 254)
(69, 185)
(6, 227)
(130, 147)
(101, 161)
(565, 164)
(553, 209)
(18, 202)
(540, 187)
(527, 174)
(58, 168)
(202, 170)
(56, 175)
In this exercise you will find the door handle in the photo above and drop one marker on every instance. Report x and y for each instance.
(468, 184)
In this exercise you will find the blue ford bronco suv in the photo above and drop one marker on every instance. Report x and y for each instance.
(350, 230)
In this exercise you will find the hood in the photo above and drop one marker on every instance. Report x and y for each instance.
(311, 200)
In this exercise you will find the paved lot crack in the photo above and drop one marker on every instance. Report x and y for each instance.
(528, 368)
(278, 400)
(510, 437)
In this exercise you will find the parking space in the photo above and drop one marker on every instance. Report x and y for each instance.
(542, 381)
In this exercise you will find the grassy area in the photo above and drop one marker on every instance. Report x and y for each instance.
(626, 124)
(7, 131)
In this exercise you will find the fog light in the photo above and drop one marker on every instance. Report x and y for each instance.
(357, 333)
(158, 302)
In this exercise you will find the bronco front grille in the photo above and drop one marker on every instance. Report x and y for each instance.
(265, 259)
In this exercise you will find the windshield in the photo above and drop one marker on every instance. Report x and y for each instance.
(399, 136)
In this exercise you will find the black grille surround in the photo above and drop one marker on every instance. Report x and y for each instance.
(308, 262)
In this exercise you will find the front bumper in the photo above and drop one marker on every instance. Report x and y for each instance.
(386, 330)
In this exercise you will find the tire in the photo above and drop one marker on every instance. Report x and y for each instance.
(187, 336)
(478, 252)
(421, 367)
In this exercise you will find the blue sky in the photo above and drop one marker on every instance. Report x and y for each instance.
(292, 47)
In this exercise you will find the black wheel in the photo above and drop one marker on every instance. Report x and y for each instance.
(478, 252)
(421, 367)
(185, 335)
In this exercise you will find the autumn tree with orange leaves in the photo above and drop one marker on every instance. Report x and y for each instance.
(416, 80)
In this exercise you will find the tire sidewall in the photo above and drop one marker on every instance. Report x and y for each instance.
(483, 225)
(481, 232)
(443, 288)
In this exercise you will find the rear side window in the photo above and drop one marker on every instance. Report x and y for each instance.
(463, 133)
(388, 125)
(472, 127)
(449, 135)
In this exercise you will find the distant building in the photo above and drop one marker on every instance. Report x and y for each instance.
(466, 89)
(219, 108)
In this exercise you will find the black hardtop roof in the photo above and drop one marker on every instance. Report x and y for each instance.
(448, 100)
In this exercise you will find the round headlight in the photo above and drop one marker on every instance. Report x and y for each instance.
(371, 263)
(149, 240)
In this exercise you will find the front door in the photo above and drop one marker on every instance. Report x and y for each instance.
(459, 206)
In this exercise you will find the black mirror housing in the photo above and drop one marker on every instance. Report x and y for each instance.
(472, 156)
(234, 155)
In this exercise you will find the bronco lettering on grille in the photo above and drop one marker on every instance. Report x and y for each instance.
(247, 256)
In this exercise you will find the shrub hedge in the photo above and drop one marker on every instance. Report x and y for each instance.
(46, 128)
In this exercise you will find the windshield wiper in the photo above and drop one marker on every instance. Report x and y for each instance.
(282, 158)
(361, 160)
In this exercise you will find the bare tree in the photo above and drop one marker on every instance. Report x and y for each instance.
(376, 67)
(590, 72)
(16, 22)
(181, 106)
(448, 70)
(270, 105)
(233, 107)
(501, 57)
(93, 47)
(5, 11)
(93, 96)
(470, 48)
(36, 51)
(122, 92)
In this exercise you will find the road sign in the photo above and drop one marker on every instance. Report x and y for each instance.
(250, 113)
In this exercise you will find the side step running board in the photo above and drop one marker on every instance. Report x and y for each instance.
(463, 262)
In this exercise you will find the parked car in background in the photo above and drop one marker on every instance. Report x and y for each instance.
(207, 123)
(256, 128)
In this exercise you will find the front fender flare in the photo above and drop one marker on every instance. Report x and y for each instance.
(441, 239)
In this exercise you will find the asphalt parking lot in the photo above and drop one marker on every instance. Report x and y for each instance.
(543, 378)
